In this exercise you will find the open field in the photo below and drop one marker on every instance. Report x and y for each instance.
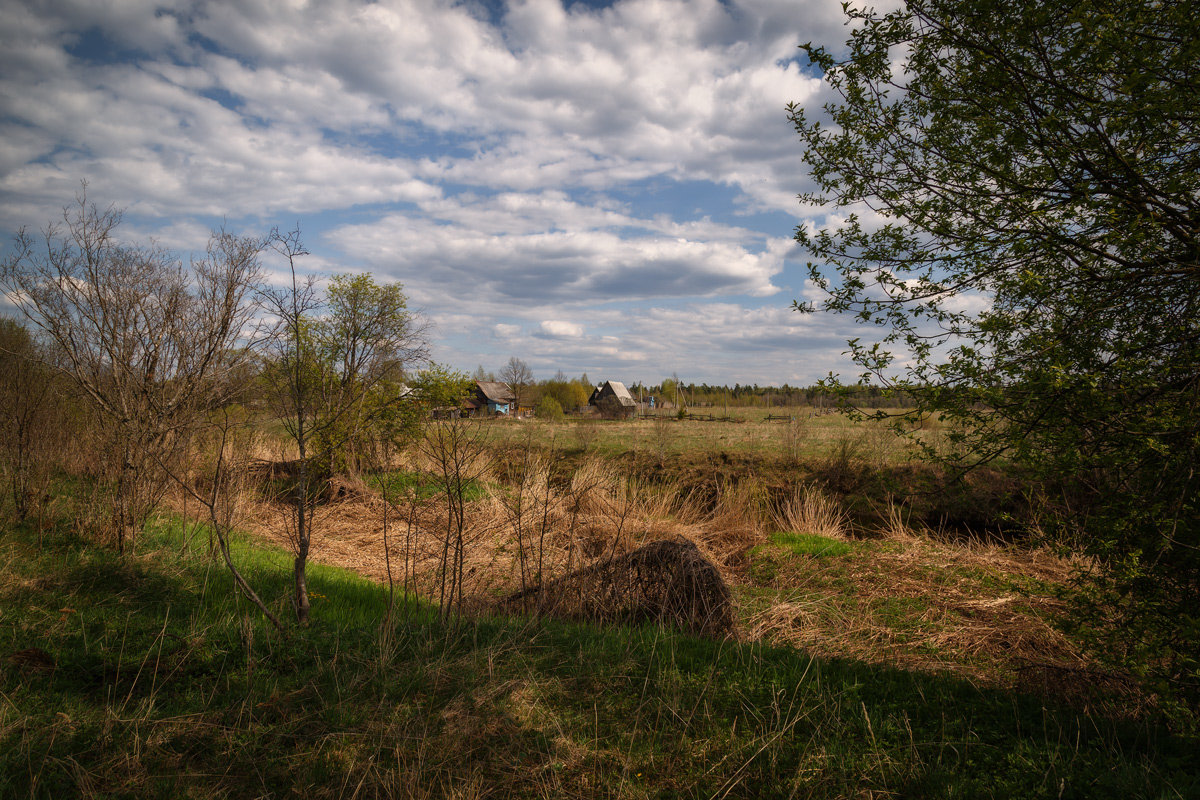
(147, 677)
(880, 643)
(892, 579)
(896, 594)
(805, 434)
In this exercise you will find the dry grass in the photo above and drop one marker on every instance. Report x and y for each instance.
(803, 434)
(918, 599)
(911, 600)
(908, 597)
(664, 581)
(601, 513)
(921, 604)
(810, 510)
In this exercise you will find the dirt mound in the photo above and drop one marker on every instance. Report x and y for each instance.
(666, 581)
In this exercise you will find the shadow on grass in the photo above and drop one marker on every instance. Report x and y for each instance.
(158, 681)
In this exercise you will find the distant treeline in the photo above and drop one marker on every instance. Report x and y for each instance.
(572, 393)
(755, 396)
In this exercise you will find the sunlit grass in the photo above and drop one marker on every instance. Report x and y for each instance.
(147, 676)
(811, 544)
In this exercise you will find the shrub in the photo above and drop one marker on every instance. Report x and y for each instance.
(549, 408)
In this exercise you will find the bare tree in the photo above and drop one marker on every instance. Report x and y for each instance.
(33, 423)
(223, 437)
(458, 449)
(329, 370)
(140, 335)
(517, 377)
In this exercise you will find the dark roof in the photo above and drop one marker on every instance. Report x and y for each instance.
(495, 392)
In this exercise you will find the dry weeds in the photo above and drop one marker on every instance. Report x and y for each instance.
(810, 510)
(913, 598)
(917, 599)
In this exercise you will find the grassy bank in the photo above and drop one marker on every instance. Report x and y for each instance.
(147, 677)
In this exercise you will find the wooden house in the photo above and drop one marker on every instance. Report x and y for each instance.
(491, 398)
(613, 400)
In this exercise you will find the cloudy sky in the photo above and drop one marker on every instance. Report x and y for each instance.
(599, 187)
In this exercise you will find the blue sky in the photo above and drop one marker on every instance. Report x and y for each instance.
(600, 187)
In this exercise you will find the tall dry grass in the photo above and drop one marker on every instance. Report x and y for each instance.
(811, 510)
(533, 529)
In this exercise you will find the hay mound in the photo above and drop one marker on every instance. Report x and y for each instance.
(280, 480)
(340, 488)
(664, 581)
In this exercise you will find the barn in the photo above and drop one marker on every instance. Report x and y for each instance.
(613, 400)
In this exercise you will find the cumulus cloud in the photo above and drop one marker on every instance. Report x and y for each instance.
(544, 248)
(505, 331)
(719, 343)
(560, 329)
(253, 106)
(491, 158)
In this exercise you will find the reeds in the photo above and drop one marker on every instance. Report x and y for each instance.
(811, 510)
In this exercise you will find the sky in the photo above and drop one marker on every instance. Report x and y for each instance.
(608, 188)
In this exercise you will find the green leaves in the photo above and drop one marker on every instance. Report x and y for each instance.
(439, 386)
(1037, 170)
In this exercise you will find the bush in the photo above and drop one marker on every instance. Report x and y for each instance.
(549, 408)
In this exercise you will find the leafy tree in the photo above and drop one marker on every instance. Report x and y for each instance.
(671, 391)
(367, 338)
(334, 372)
(1021, 191)
(568, 394)
(548, 407)
(578, 394)
(441, 387)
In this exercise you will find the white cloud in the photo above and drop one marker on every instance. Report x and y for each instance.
(561, 329)
(719, 343)
(491, 159)
(505, 331)
(543, 248)
(689, 89)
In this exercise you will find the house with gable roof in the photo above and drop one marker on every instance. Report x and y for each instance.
(612, 399)
(491, 398)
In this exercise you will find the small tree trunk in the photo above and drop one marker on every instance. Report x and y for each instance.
(303, 535)
(301, 598)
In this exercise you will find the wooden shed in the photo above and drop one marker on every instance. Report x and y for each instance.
(613, 400)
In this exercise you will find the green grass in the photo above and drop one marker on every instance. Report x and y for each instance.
(811, 544)
(813, 436)
(781, 547)
(421, 485)
(152, 679)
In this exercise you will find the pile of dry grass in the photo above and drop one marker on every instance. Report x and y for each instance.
(668, 582)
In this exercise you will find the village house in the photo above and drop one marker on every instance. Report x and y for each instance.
(491, 398)
(612, 399)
